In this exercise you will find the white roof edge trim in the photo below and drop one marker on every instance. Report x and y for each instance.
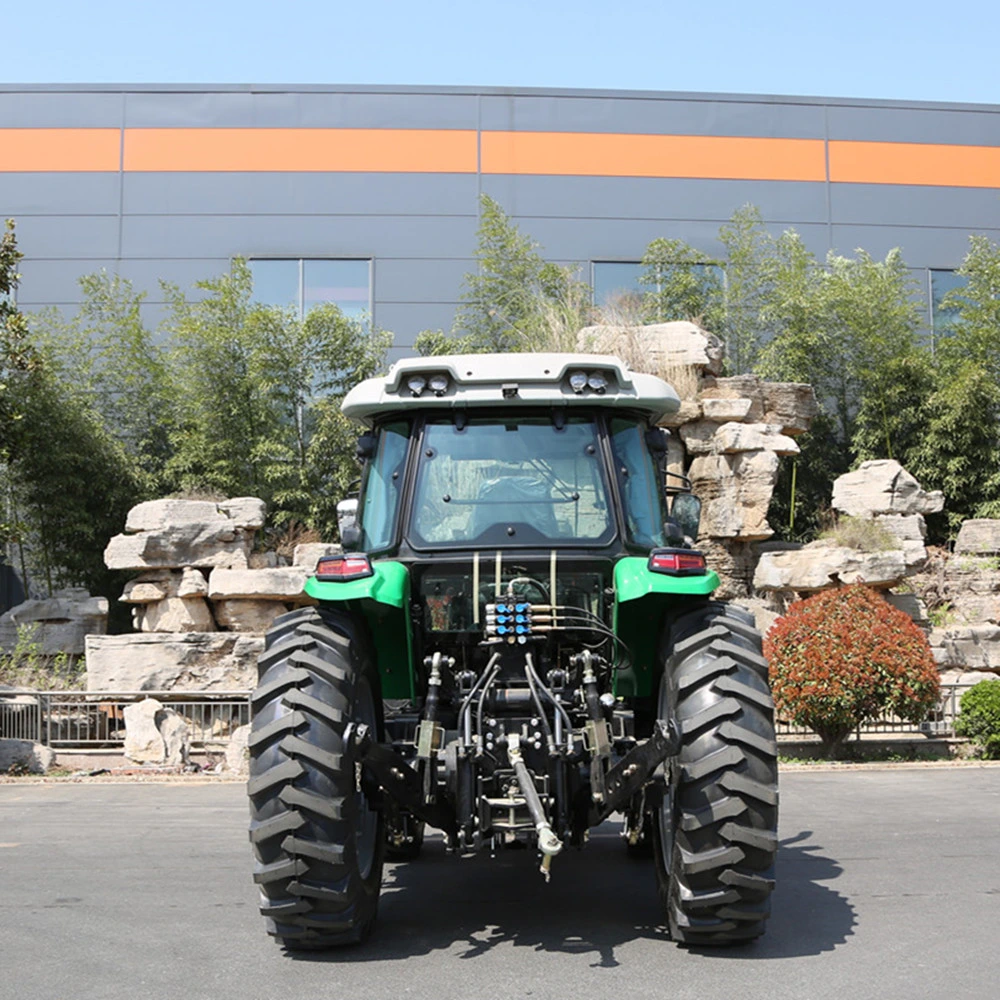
(477, 381)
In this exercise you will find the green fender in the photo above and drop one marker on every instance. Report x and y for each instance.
(642, 598)
(382, 599)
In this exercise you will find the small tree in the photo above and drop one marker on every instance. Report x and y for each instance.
(846, 656)
(681, 283)
(515, 300)
(979, 718)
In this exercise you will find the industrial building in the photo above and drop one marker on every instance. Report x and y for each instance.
(368, 196)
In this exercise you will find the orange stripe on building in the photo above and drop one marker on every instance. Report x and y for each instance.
(914, 163)
(36, 150)
(301, 149)
(620, 155)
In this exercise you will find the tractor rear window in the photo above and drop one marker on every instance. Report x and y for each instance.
(514, 481)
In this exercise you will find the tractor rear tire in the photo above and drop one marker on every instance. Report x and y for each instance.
(317, 842)
(716, 830)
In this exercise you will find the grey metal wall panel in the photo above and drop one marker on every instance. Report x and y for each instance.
(415, 279)
(651, 115)
(58, 193)
(963, 127)
(886, 204)
(627, 239)
(305, 236)
(407, 319)
(146, 275)
(57, 237)
(60, 109)
(300, 193)
(44, 281)
(936, 248)
(262, 109)
(655, 198)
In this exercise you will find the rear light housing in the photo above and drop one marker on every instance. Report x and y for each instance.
(340, 569)
(677, 562)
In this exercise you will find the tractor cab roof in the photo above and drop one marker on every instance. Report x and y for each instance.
(508, 381)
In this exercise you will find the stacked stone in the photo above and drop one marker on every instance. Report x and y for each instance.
(729, 435)
(198, 606)
(967, 588)
(881, 491)
(59, 623)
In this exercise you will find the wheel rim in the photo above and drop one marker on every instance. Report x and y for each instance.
(665, 814)
(366, 818)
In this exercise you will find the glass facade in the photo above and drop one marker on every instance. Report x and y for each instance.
(302, 284)
(942, 282)
(611, 279)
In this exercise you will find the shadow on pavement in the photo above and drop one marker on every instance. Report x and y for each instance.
(598, 899)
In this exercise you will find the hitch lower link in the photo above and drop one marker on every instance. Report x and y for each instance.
(393, 774)
(635, 769)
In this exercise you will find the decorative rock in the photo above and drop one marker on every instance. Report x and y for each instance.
(248, 513)
(188, 661)
(791, 405)
(733, 388)
(60, 622)
(822, 565)
(706, 438)
(734, 561)
(238, 752)
(159, 515)
(883, 486)
(176, 735)
(735, 491)
(676, 457)
(281, 584)
(192, 583)
(179, 546)
(659, 346)
(689, 410)
(149, 587)
(905, 527)
(721, 410)
(310, 553)
(245, 615)
(974, 648)
(912, 605)
(967, 678)
(979, 536)
(973, 609)
(25, 753)
(175, 614)
(143, 742)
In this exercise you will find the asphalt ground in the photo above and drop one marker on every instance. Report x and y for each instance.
(888, 887)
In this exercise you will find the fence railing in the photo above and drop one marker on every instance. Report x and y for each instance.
(940, 721)
(65, 719)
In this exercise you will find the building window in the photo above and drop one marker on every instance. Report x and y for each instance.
(613, 279)
(301, 284)
(943, 282)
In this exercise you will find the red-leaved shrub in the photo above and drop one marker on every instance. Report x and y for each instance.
(846, 656)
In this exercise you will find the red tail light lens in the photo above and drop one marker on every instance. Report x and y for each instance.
(342, 568)
(677, 562)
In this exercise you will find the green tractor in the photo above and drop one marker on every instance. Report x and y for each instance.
(518, 642)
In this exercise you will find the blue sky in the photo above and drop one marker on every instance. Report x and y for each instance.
(917, 50)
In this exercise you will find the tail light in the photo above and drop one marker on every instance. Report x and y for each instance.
(677, 562)
(343, 568)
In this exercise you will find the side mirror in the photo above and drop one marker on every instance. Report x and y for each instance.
(686, 511)
(347, 524)
(366, 447)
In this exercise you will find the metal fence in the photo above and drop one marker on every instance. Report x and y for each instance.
(940, 721)
(65, 719)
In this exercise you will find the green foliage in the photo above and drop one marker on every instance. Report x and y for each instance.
(25, 666)
(258, 394)
(861, 533)
(846, 656)
(681, 283)
(975, 333)
(511, 301)
(979, 718)
(109, 356)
